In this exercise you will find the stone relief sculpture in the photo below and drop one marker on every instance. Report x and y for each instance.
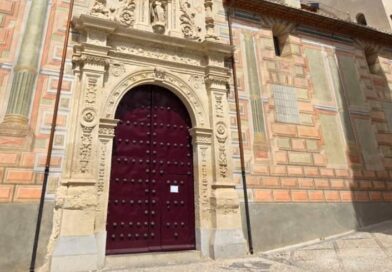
(99, 9)
(158, 15)
(126, 13)
(210, 21)
(187, 18)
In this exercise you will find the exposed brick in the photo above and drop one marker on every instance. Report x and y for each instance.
(379, 185)
(294, 170)
(8, 158)
(364, 184)
(382, 174)
(319, 159)
(342, 173)
(305, 183)
(357, 173)
(325, 172)
(375, 196)
(278, 170)
(261, 169)
(281, 195)
(346, 196)
(305, 107)
(283, 143)
(309, 132)
(353, 184)
(281, 157)
(27, 193)
(369, 174)
(361, 196)
(299, 195)
(6, 193)
(337, 183)
(27, 160)
(300, 158)
(384, 139)
(316, 195)
(288, 182)
(311, 171)
(270, 181)
(387, 196)
(284, 129)
(377, 115)
(321, 183)
(298, 144)
(252, 180)
(332, 195)
(263, 195)
(18, 176)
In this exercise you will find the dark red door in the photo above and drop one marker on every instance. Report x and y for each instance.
(151, 195)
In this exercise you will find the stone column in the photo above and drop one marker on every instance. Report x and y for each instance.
(82, 237)
(227, 238)
(22, 90)
(202, 143)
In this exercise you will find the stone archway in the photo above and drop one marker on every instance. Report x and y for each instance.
(79, 234)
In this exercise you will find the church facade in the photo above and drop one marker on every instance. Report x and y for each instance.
(169, 108)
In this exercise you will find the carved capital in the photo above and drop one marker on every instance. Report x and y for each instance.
(201, 136)
(106, 129)
(92, 60)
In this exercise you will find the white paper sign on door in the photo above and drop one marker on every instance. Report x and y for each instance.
(174, 189)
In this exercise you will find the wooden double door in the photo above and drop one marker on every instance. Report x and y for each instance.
(151, 192)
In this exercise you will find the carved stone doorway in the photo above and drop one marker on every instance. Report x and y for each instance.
(151, 193)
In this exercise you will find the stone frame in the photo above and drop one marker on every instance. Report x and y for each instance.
(106, 71)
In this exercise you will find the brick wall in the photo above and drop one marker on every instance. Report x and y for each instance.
(21, 171)
(325, 136)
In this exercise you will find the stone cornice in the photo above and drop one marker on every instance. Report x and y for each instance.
(318, 21)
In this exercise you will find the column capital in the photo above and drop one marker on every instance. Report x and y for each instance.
(201, 136)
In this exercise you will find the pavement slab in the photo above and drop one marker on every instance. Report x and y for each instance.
(368, 250)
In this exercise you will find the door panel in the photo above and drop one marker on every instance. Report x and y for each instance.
(151, 195)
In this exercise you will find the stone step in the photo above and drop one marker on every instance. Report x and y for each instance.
(142, 260)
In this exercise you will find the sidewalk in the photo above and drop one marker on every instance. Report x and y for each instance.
(369, 250)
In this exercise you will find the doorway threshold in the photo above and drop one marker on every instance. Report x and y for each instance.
(127, 262)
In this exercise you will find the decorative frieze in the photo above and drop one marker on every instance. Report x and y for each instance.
(157, 51)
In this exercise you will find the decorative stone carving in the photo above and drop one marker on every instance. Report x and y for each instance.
(157, 52)
(210, 22)
(160, 74)
(126, 13)
(117, 69)
(99, 9)
(187, 18)
(205, 195)
(81, 60)
(221, 135)
(150, 75)
(158, 14)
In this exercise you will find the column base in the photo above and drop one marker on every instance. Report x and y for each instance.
(75, 253)
(228, 243)
(15, 133)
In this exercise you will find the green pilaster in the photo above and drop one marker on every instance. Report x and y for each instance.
(25, 71)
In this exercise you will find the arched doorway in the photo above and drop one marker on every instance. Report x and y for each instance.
(151, 192)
